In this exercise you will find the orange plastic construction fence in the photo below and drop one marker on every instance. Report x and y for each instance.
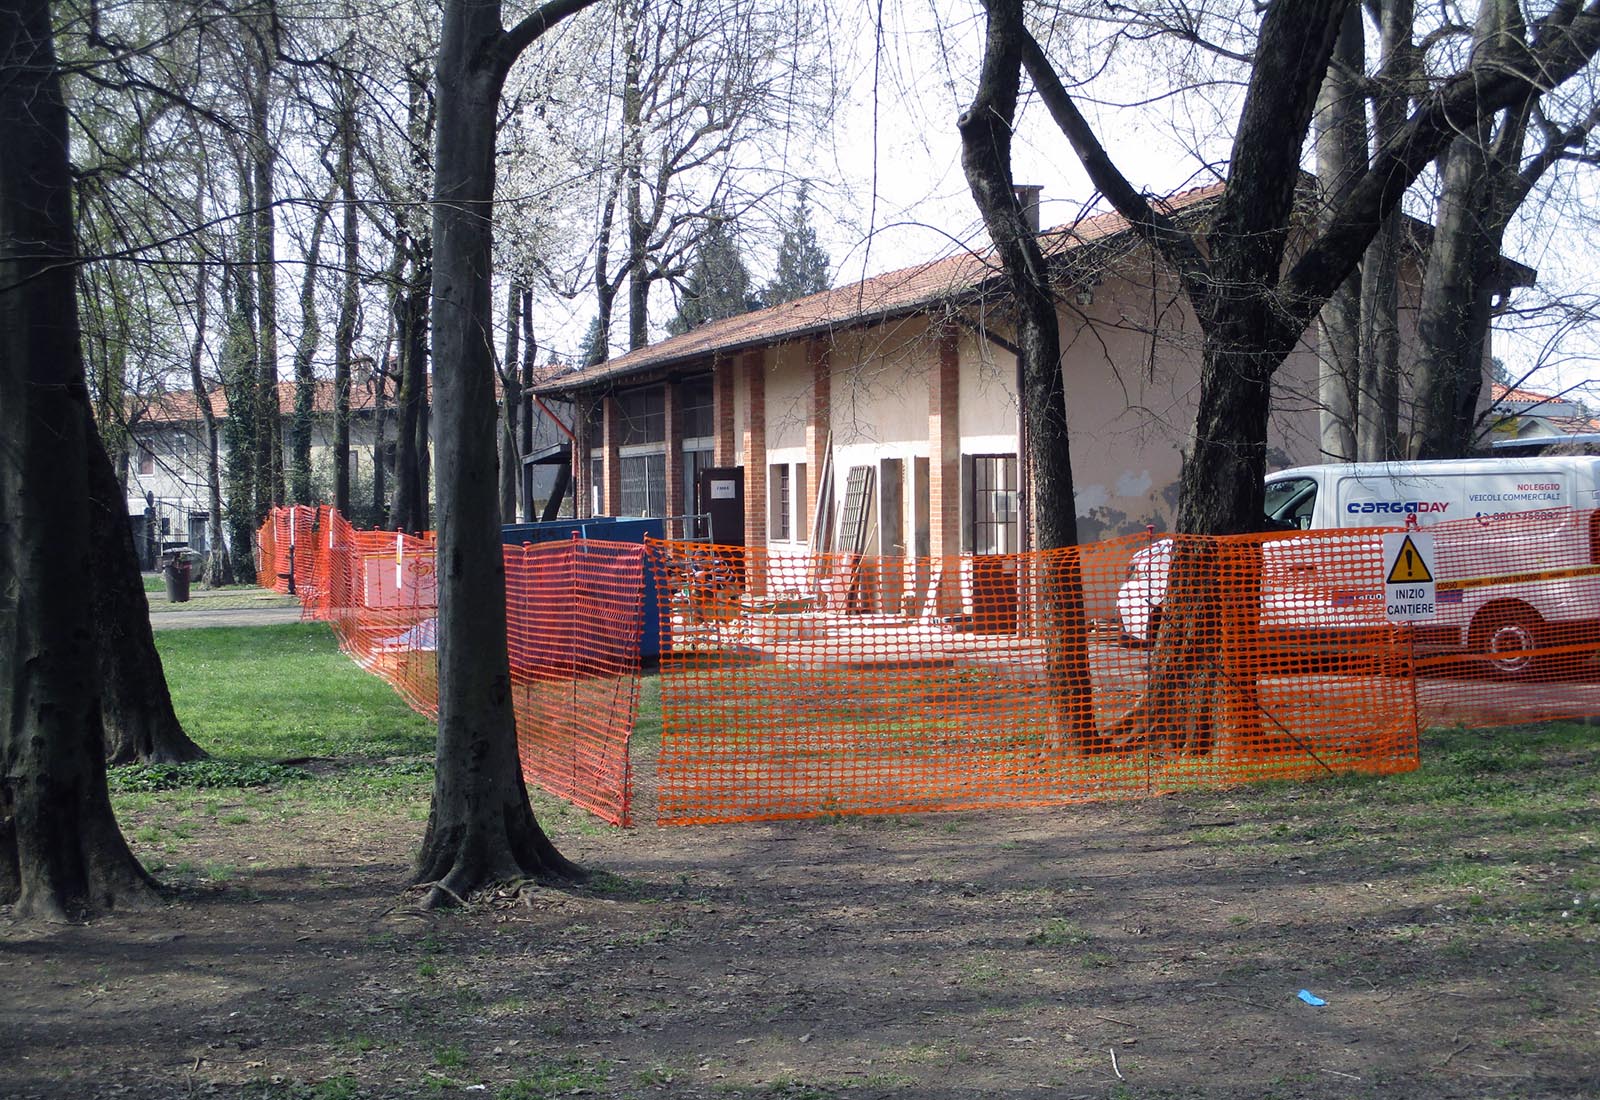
(797, 685)
(573, 623)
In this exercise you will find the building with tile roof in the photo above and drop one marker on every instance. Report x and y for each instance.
(882, 416)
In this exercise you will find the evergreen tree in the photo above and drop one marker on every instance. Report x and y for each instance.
(802, 264)
(718, 284)
(595, 346)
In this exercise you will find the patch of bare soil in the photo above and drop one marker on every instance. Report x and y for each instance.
(1129, 950)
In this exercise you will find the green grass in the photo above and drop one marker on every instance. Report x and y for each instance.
(563, 1078)
(277, 692)
(1502, 821)
(254, 696)
(153, 582)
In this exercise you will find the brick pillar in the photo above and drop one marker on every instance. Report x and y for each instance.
(819, 353)
(754, 369)
(674, 419)
(611, 461)
(755, 449)
(722, 377)
(944, 468)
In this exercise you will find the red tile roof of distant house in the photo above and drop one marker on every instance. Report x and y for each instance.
(1559, 410)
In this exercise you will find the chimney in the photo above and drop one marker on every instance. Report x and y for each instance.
(1028, 198)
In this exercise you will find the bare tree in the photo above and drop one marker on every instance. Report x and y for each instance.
(702, 85)
(986, 158)
(60, 850)
(1251, 300)
(481, 828)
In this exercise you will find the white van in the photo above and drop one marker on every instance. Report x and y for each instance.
(1506, 585)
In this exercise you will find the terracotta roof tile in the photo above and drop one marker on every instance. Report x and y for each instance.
(182, 405)
(895, 293)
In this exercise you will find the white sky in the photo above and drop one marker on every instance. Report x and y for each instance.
(901, 198)
(890, 190)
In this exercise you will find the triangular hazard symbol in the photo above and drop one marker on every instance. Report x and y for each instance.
(1408, 567)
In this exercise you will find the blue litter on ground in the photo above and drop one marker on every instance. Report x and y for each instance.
(1311, 998)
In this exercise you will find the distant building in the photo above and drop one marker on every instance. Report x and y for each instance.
(1523, 421)
(167, 475)
(892, 404)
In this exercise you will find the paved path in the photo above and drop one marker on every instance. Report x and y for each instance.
(222, 607)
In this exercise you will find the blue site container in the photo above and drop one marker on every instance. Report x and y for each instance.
(604, 529)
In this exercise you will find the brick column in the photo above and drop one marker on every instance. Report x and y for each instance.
(722, 377)
(611, 462)
(674, 417)
(753, 364)
(819, 353)
(944, 468)
(752, 367)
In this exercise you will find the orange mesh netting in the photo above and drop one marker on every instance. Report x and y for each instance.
(573, 637)
(574, 621)
(796, 685)
(1518, 621)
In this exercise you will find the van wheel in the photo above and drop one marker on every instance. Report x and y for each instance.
(1506, 635)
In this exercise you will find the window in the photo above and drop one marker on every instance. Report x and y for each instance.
(597, 486)
(992, 504)
(644, 485)
(1289, 502)
(778, 502)
(695, 459)
(642, 417)
(699, 408)
(147, 462)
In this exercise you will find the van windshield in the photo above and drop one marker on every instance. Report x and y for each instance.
(1289, 502)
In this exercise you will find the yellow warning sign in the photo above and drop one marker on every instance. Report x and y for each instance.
(1409, 566)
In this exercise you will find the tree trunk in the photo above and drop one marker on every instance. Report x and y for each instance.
(1483, 183)
(633, 161)
(510, 405)
(219, 570)
(605, 290)
(1378, 409)
(241, 381)
(1341, 157)
(1453, 316)
(136, 707)
(481, 828)
(986, 159)
(269, 486)
(344, 336)
(305, 379)
(380, 424)
(63, 854)
(409, 511)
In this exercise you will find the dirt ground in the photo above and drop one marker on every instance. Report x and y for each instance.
(1150, 949)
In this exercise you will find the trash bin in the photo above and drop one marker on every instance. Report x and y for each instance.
(175, 571)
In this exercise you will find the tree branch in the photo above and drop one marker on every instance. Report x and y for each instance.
(1177, 246)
